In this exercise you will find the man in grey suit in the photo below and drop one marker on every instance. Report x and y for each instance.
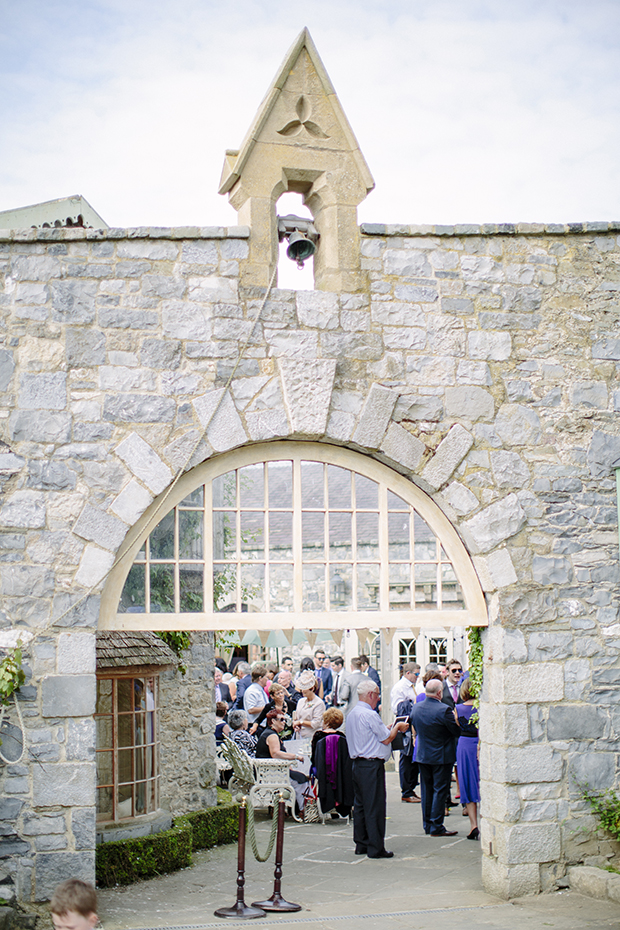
(436, 729)
(353, 680)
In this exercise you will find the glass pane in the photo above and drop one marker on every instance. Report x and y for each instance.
(406, 651)
(313, 536)
(141, 798)
(224, 535)
(190, 534)
(104, 732)
(224, 490)
(138, 758)
(400, 586)
(280, 484)
(340, 587)
(162, 589)
(312, 491)
(124, 695)
(367, 587)
(396, 503)
(151, 789)
(398, 535)
(339, 487)
(150, 720)
(125, 730)
(314, 587)
(191, 588)
(367, 535)
(104, 804)
(104, 768)
(124, 807)
(252, 485)
(161, 540)
(104, 696)
(140, 725)
(148, 761)
(150, 694)
(438, 650)
(425, 541)
(224, 587)
(253, 535)
(366, 493)
(132, 599)
(195, 499)
(340, 546)
(139, 695)
(253, 585)
(124, 765)
(141, 556)
(281, 587)
(280, 535)
(426, 585)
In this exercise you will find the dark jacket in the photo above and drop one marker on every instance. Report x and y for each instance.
(447, 696)
(244, 683)
(340, 795)
(436, 730)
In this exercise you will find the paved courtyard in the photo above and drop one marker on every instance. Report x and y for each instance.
(428, 881)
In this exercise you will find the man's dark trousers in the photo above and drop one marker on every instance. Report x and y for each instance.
(369, 814)
(408, 772)
(435, 783)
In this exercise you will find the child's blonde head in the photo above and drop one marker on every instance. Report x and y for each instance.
(74, 895)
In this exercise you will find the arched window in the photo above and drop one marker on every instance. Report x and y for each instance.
(298, 535)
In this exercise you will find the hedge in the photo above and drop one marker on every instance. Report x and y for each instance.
(122, 862)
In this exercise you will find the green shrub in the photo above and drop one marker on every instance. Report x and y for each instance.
(122, 862)
(214, 825)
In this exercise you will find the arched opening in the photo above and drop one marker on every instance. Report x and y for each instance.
(290, 276)
(293, 536)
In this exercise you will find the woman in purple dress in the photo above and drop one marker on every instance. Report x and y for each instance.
(467, 758)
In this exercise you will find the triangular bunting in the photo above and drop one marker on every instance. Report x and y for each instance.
(363, 637)
(289, 636)
(388, 634)
(264, 636)
(337, 635)
(311, 637)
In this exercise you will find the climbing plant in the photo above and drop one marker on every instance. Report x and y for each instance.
(12, 674)
(605, 807)
(177, 640)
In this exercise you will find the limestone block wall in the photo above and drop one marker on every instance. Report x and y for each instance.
(480, 362)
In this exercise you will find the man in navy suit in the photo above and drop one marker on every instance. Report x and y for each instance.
(436, 729)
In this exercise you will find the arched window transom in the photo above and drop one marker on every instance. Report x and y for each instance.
(310, 533)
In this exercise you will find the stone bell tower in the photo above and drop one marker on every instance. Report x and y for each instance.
(300, 141)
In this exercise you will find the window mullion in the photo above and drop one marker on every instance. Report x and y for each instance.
(353, 544)
(177, 568)
(266, 581)
(298, 579)
(384, 554)
(328, 590)
(208, 547)
(238, 539)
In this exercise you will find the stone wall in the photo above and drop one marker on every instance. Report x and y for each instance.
(480, 362)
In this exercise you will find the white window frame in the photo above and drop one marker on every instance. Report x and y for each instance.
(474, 614)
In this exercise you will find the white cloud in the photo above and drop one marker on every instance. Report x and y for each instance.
(466, 112)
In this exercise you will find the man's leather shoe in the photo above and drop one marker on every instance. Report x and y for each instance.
(360, 850)
(446, 833)
(451, 803)
(384, 854)
(411, 800)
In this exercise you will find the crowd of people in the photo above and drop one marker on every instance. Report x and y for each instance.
(259, 707)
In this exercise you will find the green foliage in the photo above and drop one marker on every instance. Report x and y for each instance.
(476, 661)
(606, 808)
(122, 862)
(178, 641)
(12, 674)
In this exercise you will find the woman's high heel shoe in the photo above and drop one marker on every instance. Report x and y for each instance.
(474, 835)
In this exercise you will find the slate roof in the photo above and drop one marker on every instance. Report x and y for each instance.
(124, 648)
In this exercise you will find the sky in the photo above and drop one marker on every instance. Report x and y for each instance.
(467, 111)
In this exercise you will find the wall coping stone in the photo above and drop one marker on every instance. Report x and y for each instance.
(73, 233)
(490, 229)
(594, 882)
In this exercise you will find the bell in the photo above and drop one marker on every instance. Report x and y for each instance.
(300, 248)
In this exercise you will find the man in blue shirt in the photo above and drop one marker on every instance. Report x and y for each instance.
(369, 743)
(323, 674)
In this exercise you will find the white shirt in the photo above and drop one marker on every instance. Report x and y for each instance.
(254, 696)
(403, 690)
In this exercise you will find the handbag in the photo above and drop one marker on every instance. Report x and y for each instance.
(311, 806)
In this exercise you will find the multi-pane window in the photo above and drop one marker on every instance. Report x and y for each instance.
(406, 651)
(438, 650)
(127, 747)
(303, 536)
(292, 535)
